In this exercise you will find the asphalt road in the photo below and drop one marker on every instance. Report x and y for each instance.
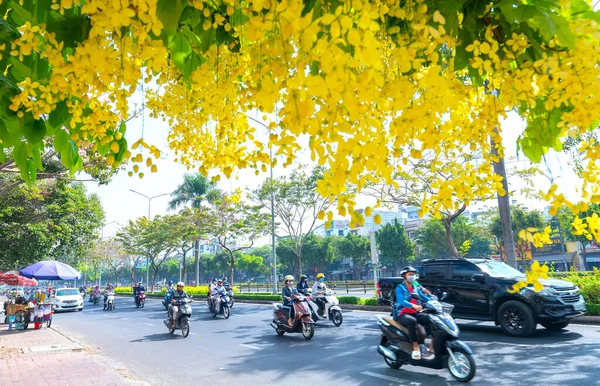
(244, 350)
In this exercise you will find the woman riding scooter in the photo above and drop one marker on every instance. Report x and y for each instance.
(406, 310)
(286, 293)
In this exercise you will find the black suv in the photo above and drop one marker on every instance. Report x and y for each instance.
(478, 289)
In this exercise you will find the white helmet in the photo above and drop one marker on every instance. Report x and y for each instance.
(180, 284)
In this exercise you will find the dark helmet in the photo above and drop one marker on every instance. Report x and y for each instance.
(408, 269)
(170, 282)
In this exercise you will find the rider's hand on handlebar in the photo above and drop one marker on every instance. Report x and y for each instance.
(173, 301)
(417, 307)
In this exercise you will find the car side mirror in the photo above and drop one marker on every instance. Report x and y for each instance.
(478, 277)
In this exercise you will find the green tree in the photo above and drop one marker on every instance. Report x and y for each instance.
(195, 191)
(562, 223)
(55, 219)
(319, 252)
(521, 220)
(297, 205)
(480, 246)
(234, 225)
(116, 258)
(394, 246)
(432, 239)
(253, 265)
(356, 248)
(184, 233)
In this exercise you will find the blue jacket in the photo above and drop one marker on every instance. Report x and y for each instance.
(403, 296)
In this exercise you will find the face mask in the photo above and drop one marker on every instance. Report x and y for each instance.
(291, 283)
(411, 278)
(322, 279)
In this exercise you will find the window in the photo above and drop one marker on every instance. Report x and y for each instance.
(434, 271)
(464, 272)
(67, 292)
(341, 232)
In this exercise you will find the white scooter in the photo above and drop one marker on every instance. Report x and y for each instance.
(333, 311)
(110, 301)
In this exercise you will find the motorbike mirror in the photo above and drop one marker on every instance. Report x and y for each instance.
(444, 295)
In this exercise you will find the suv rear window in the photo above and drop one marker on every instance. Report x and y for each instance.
(464, 271)
(434, 271)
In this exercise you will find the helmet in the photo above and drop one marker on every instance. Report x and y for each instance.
(170, 282)
(180, 284)
(289, 277)
(407, 269)
(214, 280)
(224, 278)
(302, 277)
(320, 276)
(220, 281)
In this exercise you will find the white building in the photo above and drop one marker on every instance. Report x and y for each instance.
(337, 228)
(387, 217)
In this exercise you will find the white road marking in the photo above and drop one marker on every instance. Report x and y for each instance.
(149, 324)
(251, 346)
(387, 378)
(124, 318)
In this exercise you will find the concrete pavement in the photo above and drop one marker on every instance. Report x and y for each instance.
(244, 350)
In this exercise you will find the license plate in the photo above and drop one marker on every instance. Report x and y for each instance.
(579, 306)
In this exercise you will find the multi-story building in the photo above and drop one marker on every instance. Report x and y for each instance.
(387, 217)
(337, 228)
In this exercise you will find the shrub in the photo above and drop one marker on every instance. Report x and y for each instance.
(592, 309)
(349, 300)
(124, 290)
(262, 296)
(369, 301)
(589, 282)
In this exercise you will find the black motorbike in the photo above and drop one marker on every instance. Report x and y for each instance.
(183, 321)
(229, 289)
(448, 352)
(224, 309)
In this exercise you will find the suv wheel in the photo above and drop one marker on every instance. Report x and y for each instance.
(555, 326)
(516, 319)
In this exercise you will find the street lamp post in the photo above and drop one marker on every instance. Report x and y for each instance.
(149, 202)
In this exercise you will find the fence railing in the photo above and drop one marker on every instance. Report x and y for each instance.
(347, 286)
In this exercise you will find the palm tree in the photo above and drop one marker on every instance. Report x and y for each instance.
(194, 190)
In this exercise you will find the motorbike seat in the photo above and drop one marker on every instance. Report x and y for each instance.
(421, 333)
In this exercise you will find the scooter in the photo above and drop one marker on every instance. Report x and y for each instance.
(302, 322)
(183, 321)
(95, 300)
(333, 311)
(224, 309)
(448, 351)
(167, 299)
(229, 293)
(110, 302)
(141, 299)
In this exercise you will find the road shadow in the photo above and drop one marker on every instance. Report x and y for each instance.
(490, 333)
(158, 337)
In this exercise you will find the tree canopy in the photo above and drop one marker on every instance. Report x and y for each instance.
(371, 83)
(395, 248)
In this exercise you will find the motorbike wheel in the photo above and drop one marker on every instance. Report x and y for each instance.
(185, 326)
(230, 302)
(226, 311)
(137, 304)
(308, 330)
(49, 322)
(392, 364)
(142, 303)
(337, 318)
(464, 368)
(280, 331)
(171, 330)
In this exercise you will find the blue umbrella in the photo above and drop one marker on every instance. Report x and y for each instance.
(50, 270)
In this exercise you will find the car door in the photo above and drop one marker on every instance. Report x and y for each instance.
(469, 297)
(434, 277)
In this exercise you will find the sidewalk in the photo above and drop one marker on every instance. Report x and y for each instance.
(47, 357)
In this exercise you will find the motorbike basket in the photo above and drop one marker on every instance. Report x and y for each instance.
(447, 307)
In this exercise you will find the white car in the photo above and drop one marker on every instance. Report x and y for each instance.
(68, 299)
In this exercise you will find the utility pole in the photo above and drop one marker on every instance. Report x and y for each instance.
(273, 227)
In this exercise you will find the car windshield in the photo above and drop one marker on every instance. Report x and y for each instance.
(498, 269)
(67, 292)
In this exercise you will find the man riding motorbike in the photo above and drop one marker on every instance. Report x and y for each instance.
(175, 310)
(96, 291)
(406, 308)
(319, 289)
(302, 285)
(217, 292)
(136, 291)
(287, 292)
(108, 289)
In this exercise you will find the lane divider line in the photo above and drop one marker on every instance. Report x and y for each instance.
(251, 346)
(381, 376)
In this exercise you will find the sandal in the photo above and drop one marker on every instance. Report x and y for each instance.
(416, 355)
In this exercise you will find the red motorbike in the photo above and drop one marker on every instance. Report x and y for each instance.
(141, 299)
(302, 321)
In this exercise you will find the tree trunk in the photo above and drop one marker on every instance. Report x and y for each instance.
(504, 209)
(231, 267)
(183, 267)
(448, 225)
(299, 265)
(197, 261)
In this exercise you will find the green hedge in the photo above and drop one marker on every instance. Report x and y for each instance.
(124, 290)
(369, 302)
(589, 282)
(258, 297)
(592, 309)
(349, 300)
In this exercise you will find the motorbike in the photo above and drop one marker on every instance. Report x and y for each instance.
(95, 299)
(229, 293)
(167, 299)
(302, 322)
(448, 351)
(110, 302)
(141, 299)
(225, 309)
(183, 321)
(333, 311)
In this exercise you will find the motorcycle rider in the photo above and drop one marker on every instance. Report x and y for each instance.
(217, 292)
(170, 286)
(287, 292)
(108, 289)
(96, 291)
(302, 285)
(175, 310)
(318, 290)
(406, 308)
(136, 291)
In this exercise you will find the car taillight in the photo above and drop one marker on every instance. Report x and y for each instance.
(378, 289)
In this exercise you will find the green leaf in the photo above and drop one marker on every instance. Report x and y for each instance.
(61, 140)
(20, 70)
(123, 147)
(314, 68)
(169, 13)
(34, 131)
(237, 18)
(59, 115)
(20, 156)
(36, 155)
(192, 62)
(531, 149)
(4, 135)
(19, 14)
(180, 48)
(2, 155)
(207, 38)
(191, 16)
(31, 169)
(71, 28)
(564, 33)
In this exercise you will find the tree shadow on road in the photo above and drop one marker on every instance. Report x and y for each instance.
(158, 337)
